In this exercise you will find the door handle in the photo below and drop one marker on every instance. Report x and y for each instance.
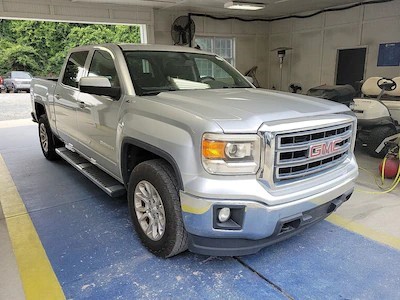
(82, 104)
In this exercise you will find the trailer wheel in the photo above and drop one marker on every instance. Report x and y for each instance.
(155, 209)
(377, 135)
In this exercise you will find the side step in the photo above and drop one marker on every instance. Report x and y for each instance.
(104, 181)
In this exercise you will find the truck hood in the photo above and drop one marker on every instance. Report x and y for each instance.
(245, 110)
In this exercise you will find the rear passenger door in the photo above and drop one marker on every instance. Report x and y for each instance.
(66, 96)
(97, 116)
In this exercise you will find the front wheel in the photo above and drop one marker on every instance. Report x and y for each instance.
(153, 197)
(47, 139)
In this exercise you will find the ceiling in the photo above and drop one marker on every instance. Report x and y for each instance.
(274, 8)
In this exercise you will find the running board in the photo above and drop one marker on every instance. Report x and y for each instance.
(104, 181)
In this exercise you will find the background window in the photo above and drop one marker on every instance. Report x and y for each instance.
(218, 45)
(74, 68)
(222, 46)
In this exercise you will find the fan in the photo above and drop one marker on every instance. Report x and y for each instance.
(182, 30)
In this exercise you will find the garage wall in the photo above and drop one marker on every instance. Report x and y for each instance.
(67, 10)
(251, 39)
(315, 42)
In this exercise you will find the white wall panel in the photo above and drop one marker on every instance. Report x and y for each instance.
(309, 23)
(31, 8)
(313, 58)
(83, 12)
(282, 26)
(347, 16)
(222, 27)
(382, 10)
(306, 58)
(66, 10)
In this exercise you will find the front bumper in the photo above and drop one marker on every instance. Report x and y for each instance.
(285, 228)
(23, 86)
(261, 222)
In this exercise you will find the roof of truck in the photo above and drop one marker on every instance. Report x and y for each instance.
(145, 47)
(149, 47)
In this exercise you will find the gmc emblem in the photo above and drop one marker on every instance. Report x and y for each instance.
(323, 149)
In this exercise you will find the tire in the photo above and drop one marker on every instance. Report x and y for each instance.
(48, 141)
(377, 135)
(154, 181)
(14, 90)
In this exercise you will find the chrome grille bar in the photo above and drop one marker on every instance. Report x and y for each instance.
(293, 159)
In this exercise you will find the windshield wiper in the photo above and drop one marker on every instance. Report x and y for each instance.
(235, 87)
(156, 92)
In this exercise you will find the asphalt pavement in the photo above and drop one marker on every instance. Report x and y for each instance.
(15, 106)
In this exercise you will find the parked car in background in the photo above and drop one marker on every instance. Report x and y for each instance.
(16, 81)
(2, 87)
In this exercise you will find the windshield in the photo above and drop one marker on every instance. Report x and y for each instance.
(153, 72)
(21, 75)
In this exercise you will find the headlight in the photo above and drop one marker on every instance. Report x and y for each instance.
(231, 154)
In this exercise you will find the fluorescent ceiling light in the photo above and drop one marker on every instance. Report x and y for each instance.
(244, 5)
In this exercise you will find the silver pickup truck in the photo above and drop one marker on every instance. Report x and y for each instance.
(209, 163)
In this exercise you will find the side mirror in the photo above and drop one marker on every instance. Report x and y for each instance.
(100, 86)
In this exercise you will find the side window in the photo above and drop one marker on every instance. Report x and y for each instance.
(103, 65)
(74, 68)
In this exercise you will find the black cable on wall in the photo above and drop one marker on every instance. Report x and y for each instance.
(292, 16)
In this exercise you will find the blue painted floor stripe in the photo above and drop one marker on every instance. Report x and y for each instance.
(89, 240)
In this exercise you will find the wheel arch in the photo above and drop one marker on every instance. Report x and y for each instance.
(145, 152)
(40, 109)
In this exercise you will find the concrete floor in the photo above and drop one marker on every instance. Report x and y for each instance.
(94, 254)
(15, 106)
(379, 212)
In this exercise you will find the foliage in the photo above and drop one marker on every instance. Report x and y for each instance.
(40, 47)
(19, 57)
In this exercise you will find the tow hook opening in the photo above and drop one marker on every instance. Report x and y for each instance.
(289, 226)
(331, 208)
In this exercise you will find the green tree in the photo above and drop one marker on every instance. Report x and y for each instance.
(19, 57)
(41, 46)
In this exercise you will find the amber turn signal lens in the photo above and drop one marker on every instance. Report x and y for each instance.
(213, 149)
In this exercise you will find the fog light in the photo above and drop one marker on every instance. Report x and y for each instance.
(224, 214)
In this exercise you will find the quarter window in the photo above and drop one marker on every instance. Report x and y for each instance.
(74, 69)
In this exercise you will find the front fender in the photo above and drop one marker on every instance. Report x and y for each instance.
(167, 132)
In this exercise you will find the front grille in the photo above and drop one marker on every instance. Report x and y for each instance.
(303, 153)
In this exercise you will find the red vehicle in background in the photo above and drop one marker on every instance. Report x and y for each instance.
(2, 86)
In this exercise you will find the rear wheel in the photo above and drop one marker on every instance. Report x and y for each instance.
(377, 135)
(155, 209)
(47, 140)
